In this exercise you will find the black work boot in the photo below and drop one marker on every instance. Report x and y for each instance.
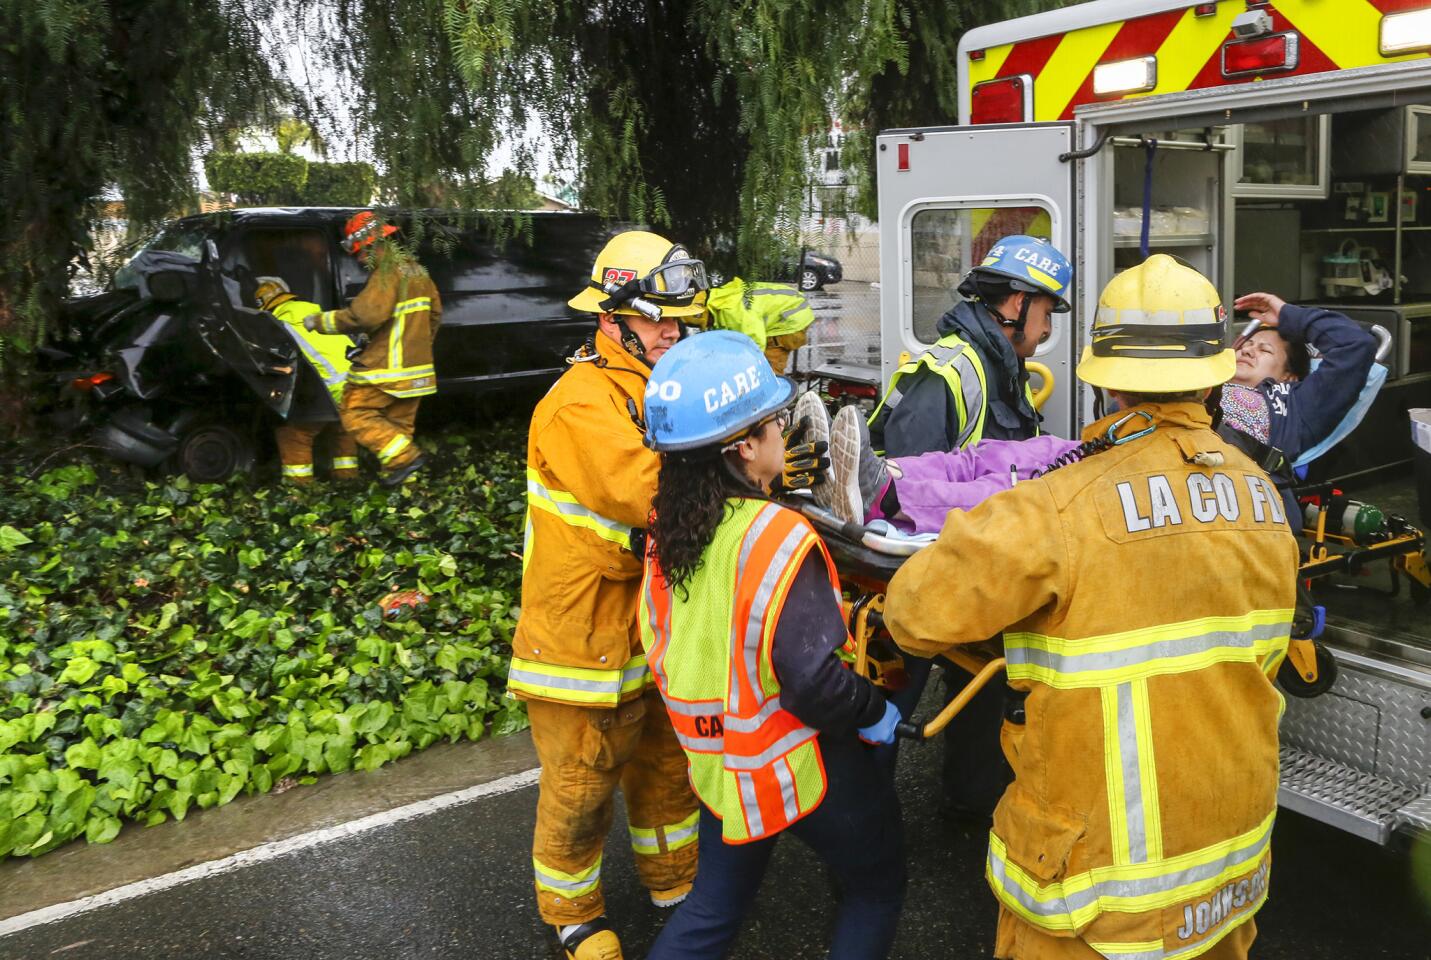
(398, 474)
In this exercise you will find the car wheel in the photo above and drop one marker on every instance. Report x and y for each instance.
(213, 452)
(809, 280)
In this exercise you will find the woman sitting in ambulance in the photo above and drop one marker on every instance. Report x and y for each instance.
(1275, 408)
(741, 620)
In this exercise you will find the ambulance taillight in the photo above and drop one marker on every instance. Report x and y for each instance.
(1275, 54)
(1005, 100)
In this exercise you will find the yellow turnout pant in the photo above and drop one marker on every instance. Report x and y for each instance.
(381, 422)
(778, 349)
(586, 753)
(295, 450)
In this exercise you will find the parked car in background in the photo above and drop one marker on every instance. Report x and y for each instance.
(810, 271)
(816, 270)
(175, 365)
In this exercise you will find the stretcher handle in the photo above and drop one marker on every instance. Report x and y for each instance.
(913, 730)
(1046, 384)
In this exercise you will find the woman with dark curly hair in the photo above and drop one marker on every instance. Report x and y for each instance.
(743, 628)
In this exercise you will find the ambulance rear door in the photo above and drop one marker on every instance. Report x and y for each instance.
(946, 194)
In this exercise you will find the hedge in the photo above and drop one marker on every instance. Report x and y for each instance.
(339, 185)
(257, 178)
(166, 645)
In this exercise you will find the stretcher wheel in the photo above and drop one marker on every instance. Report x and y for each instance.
(1298, 686)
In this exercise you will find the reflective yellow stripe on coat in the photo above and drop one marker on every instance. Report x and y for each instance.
(1139, 654)
(584, 685)
(565, 507)
(962, 371)
(1076, 901)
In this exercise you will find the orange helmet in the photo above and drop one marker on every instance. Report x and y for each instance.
(362, 229)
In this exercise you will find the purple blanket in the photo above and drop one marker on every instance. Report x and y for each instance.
(935, 483)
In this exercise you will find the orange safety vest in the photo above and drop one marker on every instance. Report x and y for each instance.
(752, 763)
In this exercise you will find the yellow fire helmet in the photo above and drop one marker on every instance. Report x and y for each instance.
(1161, 328)
(641, 265)
(272, 292)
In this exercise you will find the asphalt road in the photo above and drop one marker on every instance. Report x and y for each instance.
(457, 884)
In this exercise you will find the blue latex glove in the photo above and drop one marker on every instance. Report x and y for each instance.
(882, 730)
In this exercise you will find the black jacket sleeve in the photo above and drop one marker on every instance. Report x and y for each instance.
(925, 420)
(1309, 410)
(815, 685)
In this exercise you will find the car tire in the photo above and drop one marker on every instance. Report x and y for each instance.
(809, 280)
(213, 451)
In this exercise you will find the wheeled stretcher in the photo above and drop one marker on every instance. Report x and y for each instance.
(867, 560)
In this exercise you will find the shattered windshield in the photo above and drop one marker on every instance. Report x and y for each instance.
(187, 241)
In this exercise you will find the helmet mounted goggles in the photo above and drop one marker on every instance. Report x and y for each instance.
(674, 282)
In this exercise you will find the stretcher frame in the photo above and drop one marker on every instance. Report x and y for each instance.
(866, 561)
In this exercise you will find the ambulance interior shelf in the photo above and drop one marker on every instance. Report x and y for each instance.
(1178, 183)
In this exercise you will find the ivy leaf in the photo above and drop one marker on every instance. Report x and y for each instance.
(10, 538)
(83, 755)
(78, 671)
(101, 828)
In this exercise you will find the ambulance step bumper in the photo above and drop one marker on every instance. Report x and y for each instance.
(1360, 803)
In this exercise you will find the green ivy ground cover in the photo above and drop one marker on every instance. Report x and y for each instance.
(165, 646)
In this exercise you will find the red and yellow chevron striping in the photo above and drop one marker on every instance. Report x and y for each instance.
(1188, 47)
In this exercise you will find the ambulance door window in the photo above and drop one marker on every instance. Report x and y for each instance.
(945, 243)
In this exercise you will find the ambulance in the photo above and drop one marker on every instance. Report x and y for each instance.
(1281, 146)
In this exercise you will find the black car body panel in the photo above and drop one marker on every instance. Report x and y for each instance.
(181, 339)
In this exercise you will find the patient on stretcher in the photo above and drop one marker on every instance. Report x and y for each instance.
(1275, 397)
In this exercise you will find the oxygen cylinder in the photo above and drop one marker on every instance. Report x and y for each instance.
(1360, 522)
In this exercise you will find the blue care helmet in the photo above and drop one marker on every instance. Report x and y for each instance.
(1027, 264)
(709, 388)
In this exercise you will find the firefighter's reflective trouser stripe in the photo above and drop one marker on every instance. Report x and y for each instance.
(1017, 940)
(778, 349)
(753, 763)
(960, 367)
(586, 753)
(295, 450)
(381, 422)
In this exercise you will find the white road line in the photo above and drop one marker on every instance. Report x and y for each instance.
(268, 851)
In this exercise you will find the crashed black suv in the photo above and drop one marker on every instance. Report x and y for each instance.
(174, 365)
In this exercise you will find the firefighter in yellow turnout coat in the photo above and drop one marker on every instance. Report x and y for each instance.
(399, 310)
(597, 721)
(327, 355)
(1145, 593)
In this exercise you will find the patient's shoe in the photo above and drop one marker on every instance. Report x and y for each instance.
(860, 478)
(811, 422)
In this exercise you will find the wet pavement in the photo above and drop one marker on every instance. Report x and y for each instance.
(454, 882)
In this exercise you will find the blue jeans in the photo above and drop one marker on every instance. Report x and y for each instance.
(857, 830)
